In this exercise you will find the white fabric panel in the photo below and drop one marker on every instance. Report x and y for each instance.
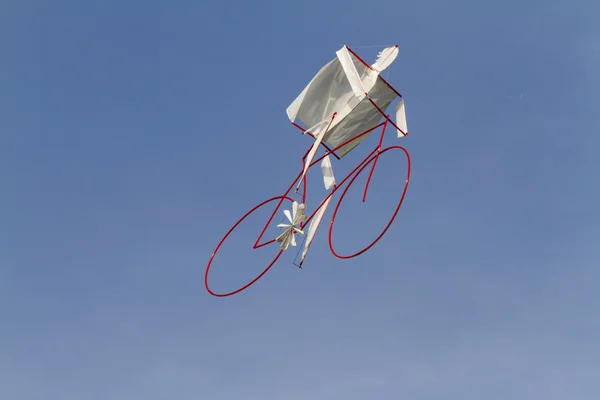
(316, 129)
(294, 212)
(334, 89)
(326, 93)
(288, 215)
(310, 156)
(287, 237)
(401, 118)
(292, 110)
(363, 117)
(327, 170)
(351, 73)
(312, 229)
(385, 58)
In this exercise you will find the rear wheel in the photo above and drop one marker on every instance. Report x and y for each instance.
(252, 236)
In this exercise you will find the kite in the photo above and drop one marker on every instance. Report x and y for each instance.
(344, 103)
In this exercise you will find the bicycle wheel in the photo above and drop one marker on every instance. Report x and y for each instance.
(252, 239)
(360, 171)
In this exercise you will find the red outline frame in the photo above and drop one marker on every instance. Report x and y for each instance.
(373, 157)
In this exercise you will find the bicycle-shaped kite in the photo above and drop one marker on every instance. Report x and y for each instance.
(341, 106)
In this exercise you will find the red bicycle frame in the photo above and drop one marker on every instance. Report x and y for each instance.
(300, 180)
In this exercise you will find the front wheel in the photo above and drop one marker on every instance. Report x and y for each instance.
(399, 204)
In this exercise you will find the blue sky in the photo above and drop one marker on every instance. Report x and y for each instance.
(133, 134)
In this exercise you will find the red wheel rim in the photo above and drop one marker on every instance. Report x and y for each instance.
(391, 219)
(260, 275)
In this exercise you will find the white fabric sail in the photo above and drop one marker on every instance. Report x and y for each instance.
(385, 58)
(401, 119)
(329, 181)
(312, 228)
(327, 171)
(345, 86)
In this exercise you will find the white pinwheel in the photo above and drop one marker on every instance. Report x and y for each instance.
(288, 238)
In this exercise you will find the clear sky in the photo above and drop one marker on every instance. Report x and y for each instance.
(133, 134)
